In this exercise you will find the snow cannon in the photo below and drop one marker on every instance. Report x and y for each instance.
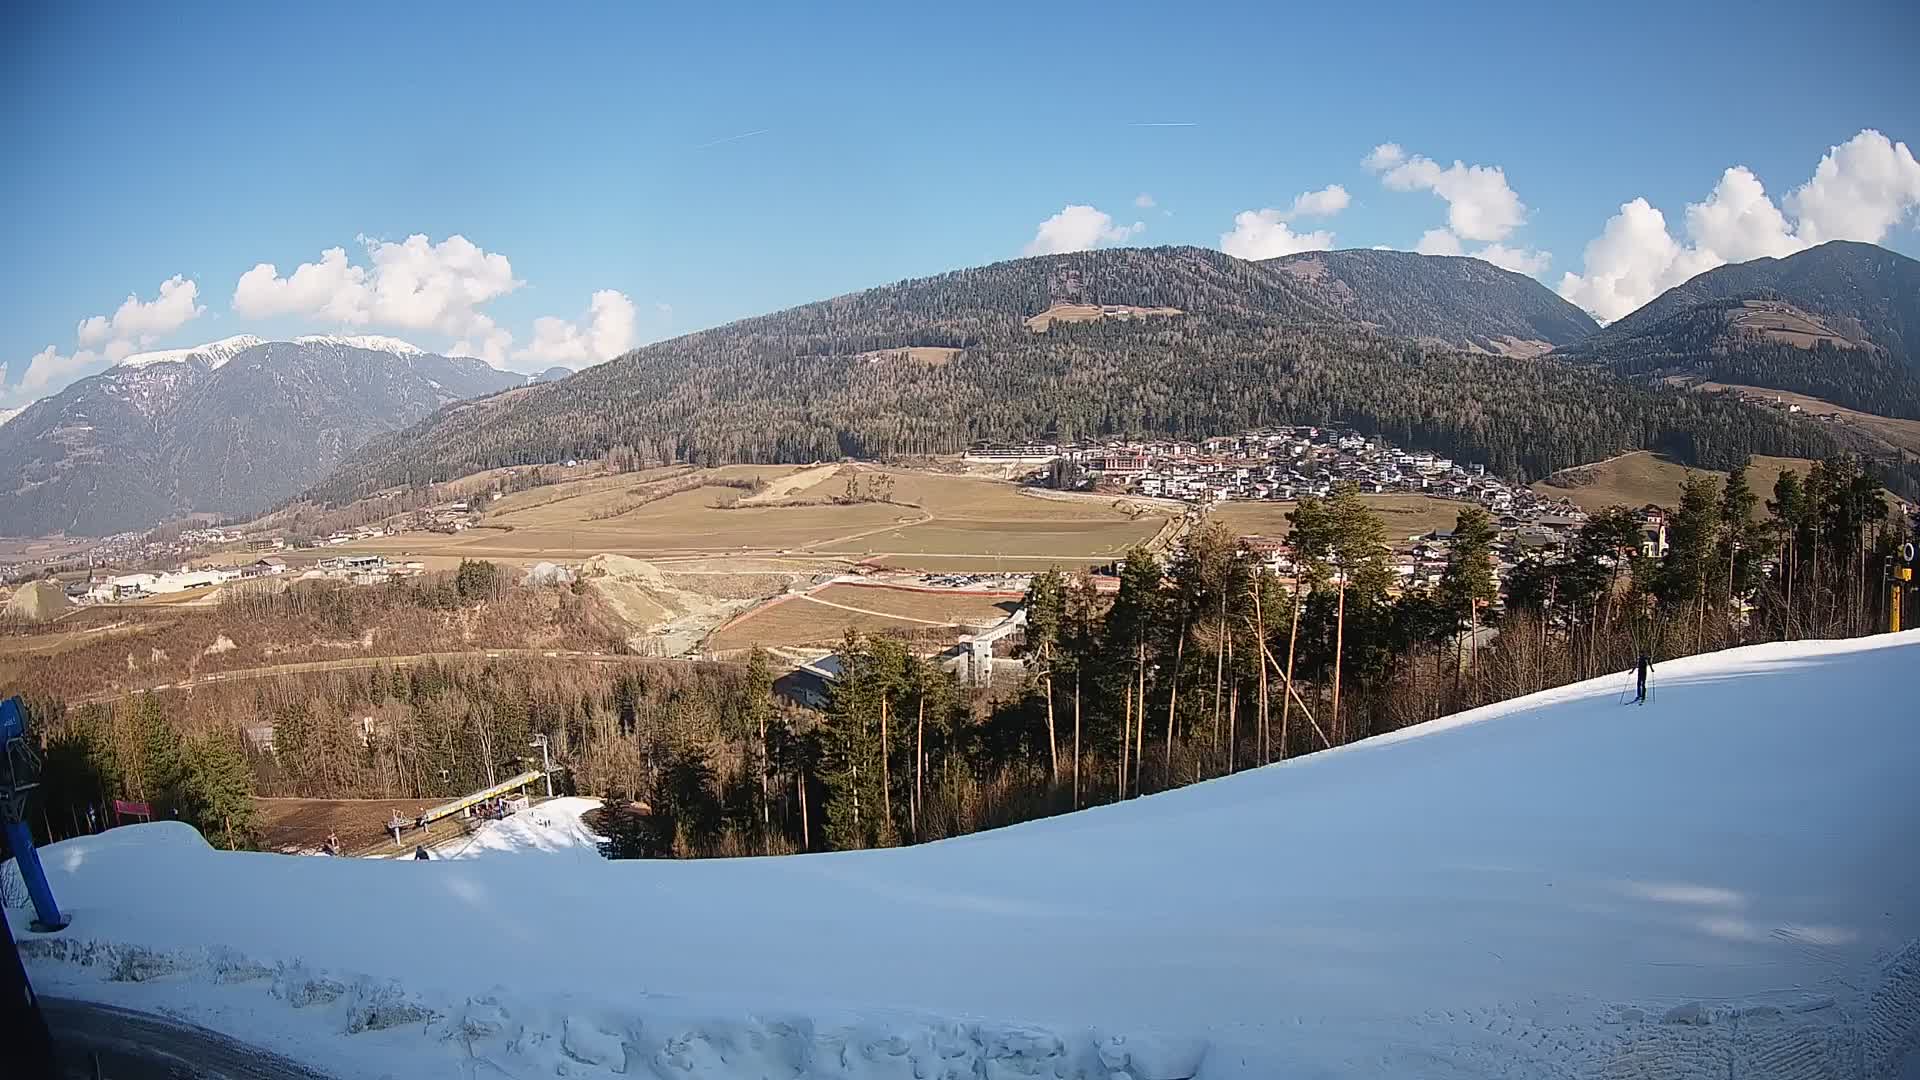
(20, 775)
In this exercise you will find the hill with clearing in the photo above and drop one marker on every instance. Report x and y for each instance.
(1641, 478)
(1839, 322)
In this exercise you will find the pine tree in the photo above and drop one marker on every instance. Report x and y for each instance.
(160, 770)
(1468, 583)
(1046, 614)
(757, 716)
(216, 793)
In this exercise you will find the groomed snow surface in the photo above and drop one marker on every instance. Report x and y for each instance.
(551, 828)
(1722, 883)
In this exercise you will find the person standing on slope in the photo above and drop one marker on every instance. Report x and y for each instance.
(1642, 667)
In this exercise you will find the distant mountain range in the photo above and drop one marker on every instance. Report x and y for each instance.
(1839, 322)
(1123, 341)
(1443, 352)
(229, 427)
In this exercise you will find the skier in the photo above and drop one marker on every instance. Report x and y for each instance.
(420, 852)
(1643, 666)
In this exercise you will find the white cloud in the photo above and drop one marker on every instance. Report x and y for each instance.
(1860, 190)
(1326, 202)
(1738, 222)
(1265, 234)
(485, 340)
(332, 289)
(1383, 157)
(1144, 201)
(1518, 260)
(1480, 204)
(142, 322)
(1268, 234)
(1439, 242)
(413, 284)
(48, 366)
(608, 332)
(105, 339)
(1078, 228)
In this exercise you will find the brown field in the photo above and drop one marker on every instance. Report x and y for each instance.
(970, 523)
(924, 355)
(1640, 478)
(1073, 313)
(1405, 515)
(800, 622)
(303, 824)
(943, 607)
(19, 549)
(986, 564)
(1887, 432)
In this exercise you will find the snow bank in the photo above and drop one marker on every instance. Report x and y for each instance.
(553, 826)
(546, 573)
(1717, 884)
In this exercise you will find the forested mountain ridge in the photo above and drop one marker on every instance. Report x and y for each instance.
(228, 429)
(1840, 322)
(1252, 344)
(1444, 299)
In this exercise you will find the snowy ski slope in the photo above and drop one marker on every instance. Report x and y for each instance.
(1723, 883)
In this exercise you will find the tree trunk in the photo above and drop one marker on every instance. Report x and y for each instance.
(1339, 648)
(1233, 718)
(1219, 668)
(1076, 738)
(1140, 714)
(1260, 632)
(1473, 646)
(800, 790)
(766, 794)
(1173, 695)
(919, 763)
(1126, 744)
(1053, 744)
(886, 773)
(1293, 638)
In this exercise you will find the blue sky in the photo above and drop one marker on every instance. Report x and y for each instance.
(630, 172)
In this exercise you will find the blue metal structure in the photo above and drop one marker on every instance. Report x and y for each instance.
(20, 775)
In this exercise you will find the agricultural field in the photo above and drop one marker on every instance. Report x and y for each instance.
(796, 621)
(1405, 516)
(969, 523)
(1641, 477)
(938, 607)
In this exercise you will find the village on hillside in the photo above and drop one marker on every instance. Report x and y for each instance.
(1289, 463)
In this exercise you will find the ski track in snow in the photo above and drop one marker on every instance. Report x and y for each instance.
(1735, 904)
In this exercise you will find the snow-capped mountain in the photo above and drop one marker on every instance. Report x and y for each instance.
(371, 342)
(210, 356)
(228, 427)
(8, 414)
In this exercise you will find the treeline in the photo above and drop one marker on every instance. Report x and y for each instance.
(272, 622)
(1208, 665)
(1256, 345)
